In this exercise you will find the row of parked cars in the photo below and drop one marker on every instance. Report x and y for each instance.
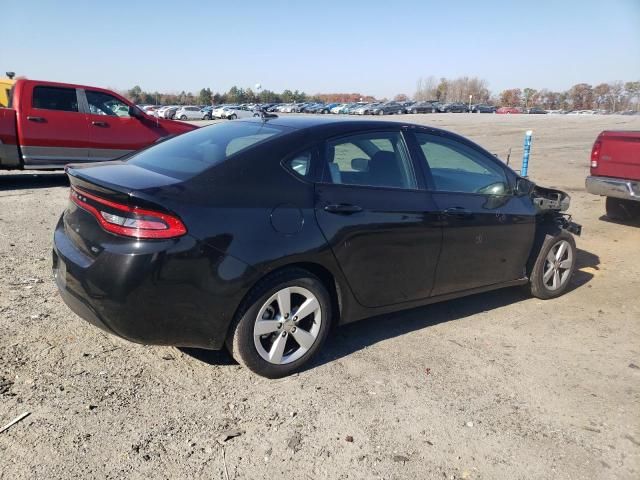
(394, 107)
(355, 108)
(192, 112)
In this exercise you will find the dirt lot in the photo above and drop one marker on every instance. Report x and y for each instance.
(495, 386)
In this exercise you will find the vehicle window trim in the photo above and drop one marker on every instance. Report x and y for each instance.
(33, 93)
(312, 177)
(419, 181)
(88, 109)
(427, 169)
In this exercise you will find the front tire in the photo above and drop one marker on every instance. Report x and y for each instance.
(554, 267)
(233, 117)
(281, 324)
(183, 117)
(621, 209)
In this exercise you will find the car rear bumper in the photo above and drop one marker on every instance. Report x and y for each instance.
(614, 187)
(166, 293)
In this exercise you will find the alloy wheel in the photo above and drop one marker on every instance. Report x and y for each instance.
(557, 267)
(287, 325)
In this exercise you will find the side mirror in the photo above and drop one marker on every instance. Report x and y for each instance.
(524, 186)
(135, 112)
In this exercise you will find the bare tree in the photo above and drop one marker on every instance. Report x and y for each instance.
(615, 94)
(425, 88)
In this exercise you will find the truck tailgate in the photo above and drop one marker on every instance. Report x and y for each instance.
(619, 155)
(9, 153)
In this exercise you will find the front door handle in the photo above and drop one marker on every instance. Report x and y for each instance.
(36, 119)
(100, 124)
(343, 208)
(457, 212)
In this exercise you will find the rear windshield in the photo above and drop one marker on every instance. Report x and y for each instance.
(191, 153)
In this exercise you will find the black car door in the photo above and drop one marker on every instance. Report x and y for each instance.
(377, 218)
(487, 231)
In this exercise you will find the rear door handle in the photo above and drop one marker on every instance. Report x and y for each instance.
(36, 119)
(100, 124)
(457, 212)
(343, 208)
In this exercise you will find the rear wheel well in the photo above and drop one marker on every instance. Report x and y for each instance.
(317, 270)
(329, 282)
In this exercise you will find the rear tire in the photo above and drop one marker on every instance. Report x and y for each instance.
(620, 209)
(282, 328)
(233, 117)
(554, 267)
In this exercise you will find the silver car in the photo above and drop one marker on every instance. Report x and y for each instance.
(189, 113)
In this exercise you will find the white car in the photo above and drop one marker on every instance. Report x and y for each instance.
(162, 111)
(231, 112)
(228, 111)
(189, 113)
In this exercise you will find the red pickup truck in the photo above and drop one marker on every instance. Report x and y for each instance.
(615, 173)
(48, 125)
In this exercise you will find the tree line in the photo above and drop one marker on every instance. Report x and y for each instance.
(237, 95)
(612, 96)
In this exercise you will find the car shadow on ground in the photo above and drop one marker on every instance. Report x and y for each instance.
(356, 336)
(26, 181)
(628, 223)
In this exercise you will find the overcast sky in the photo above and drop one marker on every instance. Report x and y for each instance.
(372, 47)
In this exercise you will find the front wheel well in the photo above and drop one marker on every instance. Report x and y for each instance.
(544, 229)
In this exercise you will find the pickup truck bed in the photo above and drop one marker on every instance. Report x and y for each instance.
(615, 172)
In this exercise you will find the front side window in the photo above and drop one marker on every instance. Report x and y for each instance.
(191, 153)
(55, 98)
(104, 104)
(456, 167)
(375, 159)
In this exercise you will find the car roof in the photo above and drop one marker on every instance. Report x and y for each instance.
(329, 125)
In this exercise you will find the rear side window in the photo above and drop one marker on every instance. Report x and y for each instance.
(373, 159)
(55, 98)
(191, 153)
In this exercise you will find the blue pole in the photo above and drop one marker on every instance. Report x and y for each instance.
(525, 154)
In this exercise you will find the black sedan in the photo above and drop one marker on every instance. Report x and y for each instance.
(258, 235)
(483, 108)
(423, 107)
(536, 111)
(454, 107)
(389, 108)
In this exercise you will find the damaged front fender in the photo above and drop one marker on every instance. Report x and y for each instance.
(550, 199)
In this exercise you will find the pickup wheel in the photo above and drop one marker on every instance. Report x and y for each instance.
(554, 266)
(620, 209)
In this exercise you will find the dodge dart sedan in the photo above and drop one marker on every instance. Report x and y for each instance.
(258, 235)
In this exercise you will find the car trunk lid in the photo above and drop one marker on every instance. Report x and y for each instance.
(115, 202)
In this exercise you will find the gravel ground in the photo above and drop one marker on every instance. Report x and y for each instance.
(494, 386)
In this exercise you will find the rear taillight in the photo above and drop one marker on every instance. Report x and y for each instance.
(128, 221)
(595, 153)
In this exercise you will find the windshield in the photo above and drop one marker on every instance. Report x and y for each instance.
(191, 153)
